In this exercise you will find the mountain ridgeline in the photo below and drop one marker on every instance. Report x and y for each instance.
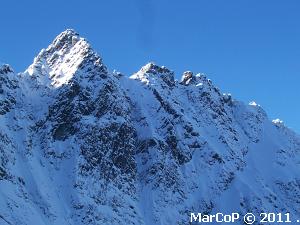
(82, 145)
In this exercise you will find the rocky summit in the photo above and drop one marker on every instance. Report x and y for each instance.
(82, 145)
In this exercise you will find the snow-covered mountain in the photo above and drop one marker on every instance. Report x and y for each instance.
(82, 145)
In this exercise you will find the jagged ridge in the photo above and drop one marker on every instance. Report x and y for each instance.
(81, 145)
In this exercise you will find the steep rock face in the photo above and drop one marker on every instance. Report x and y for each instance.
(8, 87)
(9, 90)
(87, 120)
(186, 135)
(82, 145)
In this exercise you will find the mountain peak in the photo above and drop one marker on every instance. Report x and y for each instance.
(155, 69)
(68, 33)
(66, 41)
(67, 38)
(152, 73)
(5, 68)
(68, 53)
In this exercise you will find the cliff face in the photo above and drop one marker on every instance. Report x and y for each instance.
(82, 145)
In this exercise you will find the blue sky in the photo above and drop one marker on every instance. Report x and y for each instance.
(250, 48)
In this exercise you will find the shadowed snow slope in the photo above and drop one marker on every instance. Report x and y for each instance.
(82, 145)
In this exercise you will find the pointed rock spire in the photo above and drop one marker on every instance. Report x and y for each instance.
(189, 78)
(186, 77)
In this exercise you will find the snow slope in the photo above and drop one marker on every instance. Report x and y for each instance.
(82, 145)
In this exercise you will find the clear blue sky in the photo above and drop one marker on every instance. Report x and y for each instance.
(250, 48)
